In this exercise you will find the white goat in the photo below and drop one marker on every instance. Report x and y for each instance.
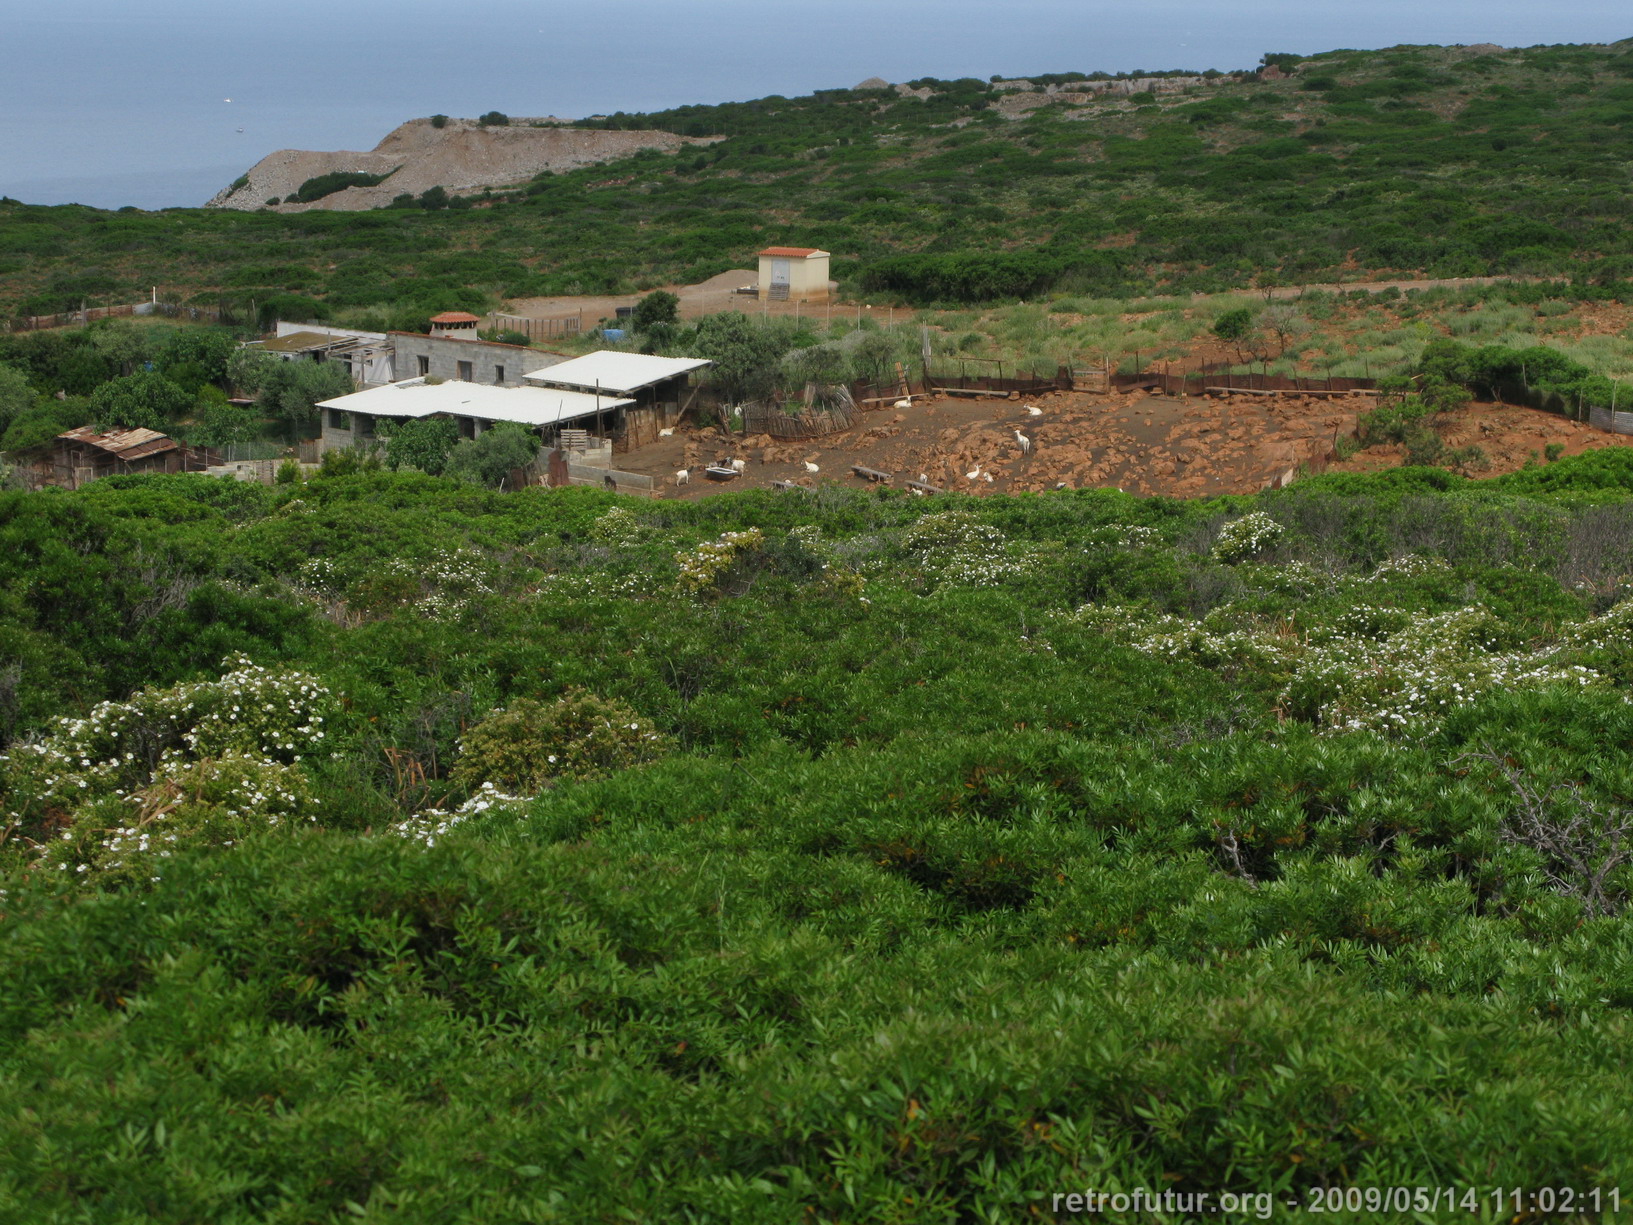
(811, 468)
(669, 433)
(904, 403)
(683, 477)
(737, 410)
(1032, 410)
(1026, 443)
(738, 466)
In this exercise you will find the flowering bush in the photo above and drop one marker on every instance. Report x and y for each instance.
(440, 586)
(579, 735)
(954, 547)
(599, 583)
(1412, 565)
(428, 826)
(704, 566)
(194, 762)
(618, 528)
(1247, 537)
(215, 802)
(1376, 669)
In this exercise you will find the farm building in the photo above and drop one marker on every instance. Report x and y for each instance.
(452, 353)
(657, 389)
(366, 356)
(352, 419)
(797, 274)
(83, 455)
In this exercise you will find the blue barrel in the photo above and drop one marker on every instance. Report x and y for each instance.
(613, 333)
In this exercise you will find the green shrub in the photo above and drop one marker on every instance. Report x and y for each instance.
(336, 180)
(1247, 537)
(531, 744)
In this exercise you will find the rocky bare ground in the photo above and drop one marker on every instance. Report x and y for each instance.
(1198, 446)
(463, 157)
(1141, 444)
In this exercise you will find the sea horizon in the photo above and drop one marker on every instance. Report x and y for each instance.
(164, 106)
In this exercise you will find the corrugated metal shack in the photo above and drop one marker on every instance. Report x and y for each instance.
(85, 455)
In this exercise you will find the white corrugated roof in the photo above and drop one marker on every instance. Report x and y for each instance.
(522, 405)
(620, 373)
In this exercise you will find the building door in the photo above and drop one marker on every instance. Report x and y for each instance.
(779, 278)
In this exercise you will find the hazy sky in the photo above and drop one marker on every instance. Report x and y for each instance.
(112, 102)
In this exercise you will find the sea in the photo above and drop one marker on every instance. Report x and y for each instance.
(161, 103)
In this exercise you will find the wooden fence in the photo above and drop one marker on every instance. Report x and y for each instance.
(538, 329)
(1218, 376)
(807, 423)
(90, 314)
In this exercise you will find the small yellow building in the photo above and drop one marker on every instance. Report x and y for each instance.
(794, 273)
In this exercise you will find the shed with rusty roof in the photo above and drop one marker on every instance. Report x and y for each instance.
(86, 454)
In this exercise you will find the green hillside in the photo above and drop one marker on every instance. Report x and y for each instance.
(1439, 161)
(380, 847)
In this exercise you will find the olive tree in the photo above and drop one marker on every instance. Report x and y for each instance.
(490, 457)
(143, 400)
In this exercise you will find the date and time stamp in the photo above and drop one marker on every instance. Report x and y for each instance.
(1347, 1203)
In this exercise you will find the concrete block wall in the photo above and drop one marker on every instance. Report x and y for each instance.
(443, 355)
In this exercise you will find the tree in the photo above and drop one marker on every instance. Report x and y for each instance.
(658, 307)
(289, 390)
(220, 422)
(16, 396)
(123, 346)
(1232, 325)
(44, 421)
(1237, 328)
(1284, 321)
(207, 349)
(875, 356)
(488, 458)
(422, 443)
(494, 119)
(747, 355)
(143, 400)
(439, 121)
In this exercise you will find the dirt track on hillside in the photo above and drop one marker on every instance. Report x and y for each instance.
(705, 298)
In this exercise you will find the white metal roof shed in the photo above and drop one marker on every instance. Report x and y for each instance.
(615, 372)
(521, 405)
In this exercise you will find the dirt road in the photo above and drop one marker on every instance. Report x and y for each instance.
(705, 298)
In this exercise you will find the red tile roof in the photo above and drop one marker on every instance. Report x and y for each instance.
(793, 251)
(455, 317)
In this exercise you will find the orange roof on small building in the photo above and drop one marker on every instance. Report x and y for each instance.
(793, 252)
(455, 317)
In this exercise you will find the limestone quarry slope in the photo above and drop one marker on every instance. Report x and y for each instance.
(462, 157)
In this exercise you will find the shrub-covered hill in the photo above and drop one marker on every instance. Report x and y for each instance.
(1442, 161)
(381, 847)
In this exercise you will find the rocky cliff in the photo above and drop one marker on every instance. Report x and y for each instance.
(462, 156)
